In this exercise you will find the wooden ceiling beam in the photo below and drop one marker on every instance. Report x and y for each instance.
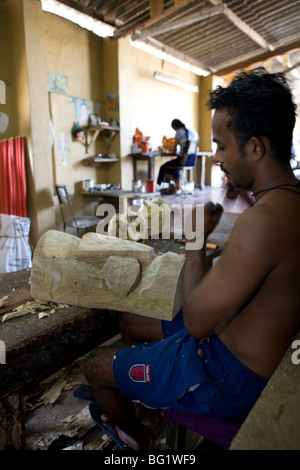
(110, 15)
(292, 67)
(156, 8)
(179, 6)
(180, 3)
(242, 26)
(203, 14)
(246, 60)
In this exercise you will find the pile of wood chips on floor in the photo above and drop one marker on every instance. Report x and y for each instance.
(56, 420)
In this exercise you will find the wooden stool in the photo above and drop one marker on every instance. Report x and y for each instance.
(221, 431)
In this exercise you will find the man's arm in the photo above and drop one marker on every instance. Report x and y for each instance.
(214, 296)
(174, 145)
(196, 265)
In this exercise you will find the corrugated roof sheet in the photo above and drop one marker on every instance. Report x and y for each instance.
(221, 37)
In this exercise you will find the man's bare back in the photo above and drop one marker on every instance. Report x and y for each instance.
(261, 332)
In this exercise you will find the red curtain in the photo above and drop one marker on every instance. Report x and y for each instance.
(13, 177)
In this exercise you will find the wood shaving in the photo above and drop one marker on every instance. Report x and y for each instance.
(51, 395)
(28, 307)
(2, 300)
(69, 427)
(34, 306)
(44, 314)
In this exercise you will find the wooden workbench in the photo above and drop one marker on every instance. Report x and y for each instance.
(273, 423)
(36, 348)
(119, 193)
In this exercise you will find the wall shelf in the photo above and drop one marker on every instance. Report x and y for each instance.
(92, 132)
(91, 161)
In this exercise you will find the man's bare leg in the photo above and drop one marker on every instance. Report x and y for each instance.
(126, 417)
(175, 180)
(138, 329)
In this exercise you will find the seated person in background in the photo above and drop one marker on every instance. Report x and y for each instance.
(239, 317)
(187, 139)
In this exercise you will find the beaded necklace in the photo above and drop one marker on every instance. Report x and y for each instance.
(280, 186)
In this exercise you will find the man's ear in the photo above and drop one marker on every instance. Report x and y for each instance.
(257, 146)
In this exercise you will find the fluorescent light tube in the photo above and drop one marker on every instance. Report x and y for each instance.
(87, 22)
(176, 82)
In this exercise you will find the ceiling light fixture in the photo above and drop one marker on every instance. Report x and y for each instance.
(176, 82)
(87, 22)
(154, 48)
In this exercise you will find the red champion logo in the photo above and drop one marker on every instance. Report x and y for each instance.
(140, 373)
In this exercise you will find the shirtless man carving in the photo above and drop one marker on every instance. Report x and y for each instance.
(238, 318)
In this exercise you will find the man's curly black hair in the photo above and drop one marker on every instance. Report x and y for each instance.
(261, 104)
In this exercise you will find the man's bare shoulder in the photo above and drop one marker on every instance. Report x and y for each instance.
(276, 219)
(264, 234)
(253, 226)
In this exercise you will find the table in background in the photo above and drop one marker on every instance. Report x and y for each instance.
(150, 156)
(119, 193)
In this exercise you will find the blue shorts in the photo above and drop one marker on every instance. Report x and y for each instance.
(182, 373)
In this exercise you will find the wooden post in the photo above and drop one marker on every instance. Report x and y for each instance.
(205, 126)
(12, 427)
(156, 8)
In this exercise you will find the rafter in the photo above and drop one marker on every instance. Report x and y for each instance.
(258, 55)
(203, 14)
(179, 7)
(156, 8)
(221, 45)
(242, 26)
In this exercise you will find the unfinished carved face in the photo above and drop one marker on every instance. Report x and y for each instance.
(122, 275)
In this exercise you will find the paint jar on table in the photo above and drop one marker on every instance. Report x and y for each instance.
(145, 147)
(136, 184)
(88, 185)
(150, 186)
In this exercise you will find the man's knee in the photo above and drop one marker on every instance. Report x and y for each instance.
(91, 365)
(129, 324)
(98, 367)
(138, 329)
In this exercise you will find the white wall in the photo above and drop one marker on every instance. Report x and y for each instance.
(154, 104)
(148, 104)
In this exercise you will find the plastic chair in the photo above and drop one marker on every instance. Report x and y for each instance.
(82, 222)
(187, 171)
